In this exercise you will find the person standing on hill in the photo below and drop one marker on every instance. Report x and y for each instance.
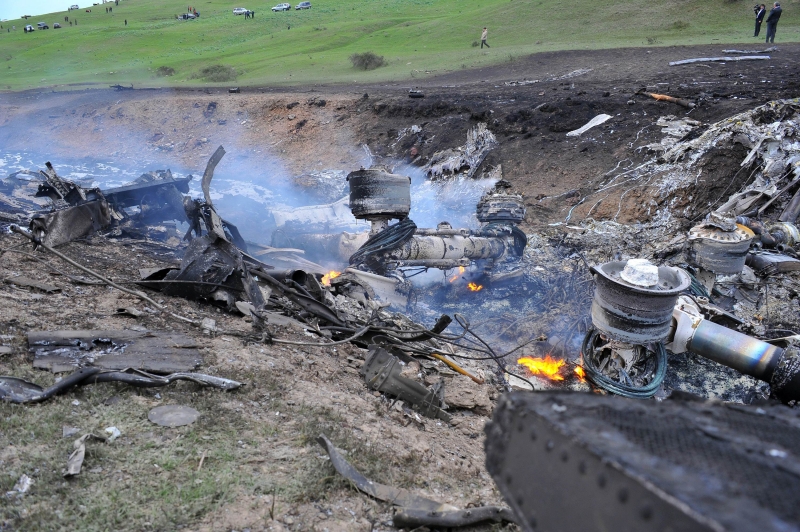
(772, 22)
(760, 12)
(483, 38)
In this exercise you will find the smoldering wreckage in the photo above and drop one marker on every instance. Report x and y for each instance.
(640, 331)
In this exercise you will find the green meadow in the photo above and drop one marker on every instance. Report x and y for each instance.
(417, 38)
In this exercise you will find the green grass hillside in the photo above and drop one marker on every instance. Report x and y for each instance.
(414, 36)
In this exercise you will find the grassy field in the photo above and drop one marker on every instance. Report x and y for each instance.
(308, 46)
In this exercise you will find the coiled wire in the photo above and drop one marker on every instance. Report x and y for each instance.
(609, 384)
(390, 238)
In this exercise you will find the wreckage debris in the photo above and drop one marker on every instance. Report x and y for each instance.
(19, 391)
(596, 121)
(465, 160)
(149, 351)
(381, 370)
(414, 511)
(75, 460)
(765, 51)
(720, 59)
(664, 98)
(679, 464)
(173, 415)
(21, 280)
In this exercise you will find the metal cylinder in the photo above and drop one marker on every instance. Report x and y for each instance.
(450, 247)
(376, 193)
(635, 314)
(735, 350)
(718, 251)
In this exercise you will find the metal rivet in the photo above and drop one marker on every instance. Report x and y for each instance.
(647, 513)
(601, 480)
(582, 468)
(550, 444)
(564, 456)
(623, 495)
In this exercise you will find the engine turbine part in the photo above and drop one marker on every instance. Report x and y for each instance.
(717, 250)
(635, 314)
(588, 462)
(497, 205)
(377, 194)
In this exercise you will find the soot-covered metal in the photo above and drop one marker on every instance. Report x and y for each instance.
(589, 462)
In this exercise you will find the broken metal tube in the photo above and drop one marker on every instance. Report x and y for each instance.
(450, 247)
(766, 362)
(735, 350)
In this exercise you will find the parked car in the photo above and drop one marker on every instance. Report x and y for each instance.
(303, 5)
(189, 16)
(73, 6)
(56, 25)
(282, 7)
(239, 11)
(29, 28)
(43, 26)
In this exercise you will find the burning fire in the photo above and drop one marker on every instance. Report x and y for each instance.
(326, 279)
(547, 367)
(475, 287)
(580, 373)
(461, 270)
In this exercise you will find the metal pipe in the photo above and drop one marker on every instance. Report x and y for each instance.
(442, 264)
(779, 367)
(443, 232)
(451, 247)
(735, 350)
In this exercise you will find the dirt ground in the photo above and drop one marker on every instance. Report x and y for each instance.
(293, 131)
(251, 461)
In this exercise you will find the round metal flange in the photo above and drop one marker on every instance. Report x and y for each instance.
(631, 313)
(719, 251)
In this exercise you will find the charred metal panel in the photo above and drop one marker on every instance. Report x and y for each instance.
(574, 461)
(68, 224)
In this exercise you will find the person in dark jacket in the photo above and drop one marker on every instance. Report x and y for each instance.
(760, 12)
(772, 21)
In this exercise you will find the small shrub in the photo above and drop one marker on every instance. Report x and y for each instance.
(163, 71)
(217, 73)
(653, 40)
(680, 25)
(367, 61)
(474, 44)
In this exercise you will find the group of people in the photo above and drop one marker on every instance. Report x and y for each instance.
(772, 19)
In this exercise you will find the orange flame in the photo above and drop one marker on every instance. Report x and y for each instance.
(475, 287)
(580, 373)
(461, 270)
(326, 279)
(547, 367)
